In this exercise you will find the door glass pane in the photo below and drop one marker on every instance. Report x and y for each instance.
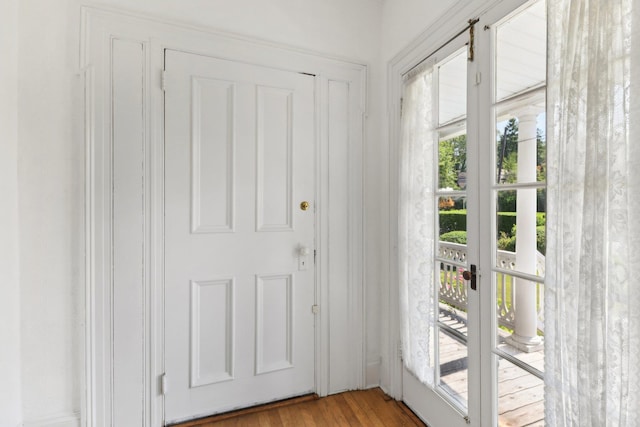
(520, 395)
(520, 216)
(521, 142)
(452, 229)
(453, 362)
(452, 161)
(521, 230)
(452, 88)
(452, 254)
(520, 318)
(453, 291)
(521, 48)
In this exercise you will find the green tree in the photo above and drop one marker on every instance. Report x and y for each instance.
(542, 170)
(541, 157)
(459, 144)
(446, 165)
(507, 157)
(452, 160)
(507, 148)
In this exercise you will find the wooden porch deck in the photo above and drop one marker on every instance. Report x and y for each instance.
(520, 394)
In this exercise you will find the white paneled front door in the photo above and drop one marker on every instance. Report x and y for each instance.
(239, 247)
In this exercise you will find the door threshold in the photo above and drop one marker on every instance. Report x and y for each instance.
(250, 410)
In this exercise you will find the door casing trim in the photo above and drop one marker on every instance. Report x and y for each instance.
(99, 27)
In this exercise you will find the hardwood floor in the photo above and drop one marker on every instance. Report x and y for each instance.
(355, 408)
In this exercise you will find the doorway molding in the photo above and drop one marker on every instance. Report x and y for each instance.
(340, 85)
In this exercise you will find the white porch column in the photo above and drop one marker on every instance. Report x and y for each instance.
(525, 336)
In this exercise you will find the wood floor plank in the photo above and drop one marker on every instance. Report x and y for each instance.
(331, 413)
(288, 417)
(525, 415)
(274, 417)
(357, 408)
(513, 401)
(386, 410)
(371, 405)
(253, 409)
(345, 409)
(359, 413)
(366, 411)
(307, 418)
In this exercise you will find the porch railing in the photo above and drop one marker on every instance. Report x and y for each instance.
(453, 289)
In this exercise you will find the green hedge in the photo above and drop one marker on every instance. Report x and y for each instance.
(541, 239)
(455, 237)
(456, 220)
(541, 219)
(506, 222)
(507, 241)
(453, 220)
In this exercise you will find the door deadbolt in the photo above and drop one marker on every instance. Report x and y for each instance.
(304, 206)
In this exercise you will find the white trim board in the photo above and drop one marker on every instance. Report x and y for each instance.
(99, 29)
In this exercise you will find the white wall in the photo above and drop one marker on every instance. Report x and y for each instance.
(51, 171)
(50, 176)
(403, 22)
(10, 394)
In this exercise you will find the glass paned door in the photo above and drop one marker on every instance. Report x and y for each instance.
(519, 215)
(481, 210)
(437, 378)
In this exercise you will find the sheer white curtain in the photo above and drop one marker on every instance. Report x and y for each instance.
(592, 295)
(416, 226)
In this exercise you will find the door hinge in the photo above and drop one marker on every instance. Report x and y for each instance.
(315, 309)
(401, 105)
(164, 384)
(478, 78)
(163, 82)
(314, 256)
(400, 350)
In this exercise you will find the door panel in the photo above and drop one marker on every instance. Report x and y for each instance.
(239, 271)
(518, 214)
(274, 155)
(213, 146)
(211, 326)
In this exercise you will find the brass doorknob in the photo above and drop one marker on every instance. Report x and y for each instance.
(467, 275)
(304, 206)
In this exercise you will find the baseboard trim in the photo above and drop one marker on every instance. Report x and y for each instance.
(373, 374)
(62, 420)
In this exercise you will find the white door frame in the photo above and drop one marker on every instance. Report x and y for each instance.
(99, 28)
(436, 36)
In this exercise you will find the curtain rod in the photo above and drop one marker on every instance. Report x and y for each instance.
(470, 25)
